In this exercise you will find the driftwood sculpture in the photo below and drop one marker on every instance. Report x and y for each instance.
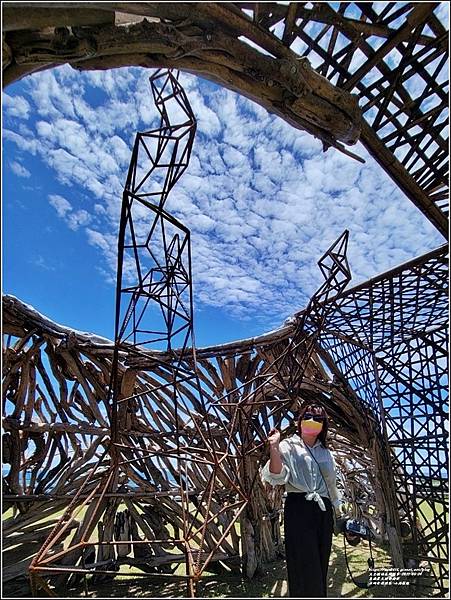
(56, 384)
(153, 454)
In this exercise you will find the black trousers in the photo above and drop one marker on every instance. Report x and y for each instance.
(308, 543)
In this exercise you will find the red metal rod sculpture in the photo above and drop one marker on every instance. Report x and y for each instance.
(154, 309)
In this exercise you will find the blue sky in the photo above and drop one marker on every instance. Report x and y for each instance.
(262, 200)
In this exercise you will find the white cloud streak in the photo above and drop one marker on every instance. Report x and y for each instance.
(60, 204)
(19, 170)
(73, 218)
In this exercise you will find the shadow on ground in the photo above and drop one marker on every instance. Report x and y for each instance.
(269, 583)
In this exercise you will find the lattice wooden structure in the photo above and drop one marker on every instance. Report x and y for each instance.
(388, 338)
(375, 355)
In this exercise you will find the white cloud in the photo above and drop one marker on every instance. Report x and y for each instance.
(78, 218)
(39, 261)
(442, 12)
(73, 218)
(19, 169)
(60, 204)
(23, 143)
(119, 150)
(262, 200)
(16, 106)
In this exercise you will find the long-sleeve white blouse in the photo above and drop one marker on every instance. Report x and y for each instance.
(300, 472)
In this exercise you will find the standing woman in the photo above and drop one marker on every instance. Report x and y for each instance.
(307, 468)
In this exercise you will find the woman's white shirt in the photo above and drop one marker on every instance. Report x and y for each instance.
(300, 472)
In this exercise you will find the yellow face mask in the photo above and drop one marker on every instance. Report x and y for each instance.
(310, 427)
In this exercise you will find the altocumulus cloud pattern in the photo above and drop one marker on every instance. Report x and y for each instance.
(261, 199)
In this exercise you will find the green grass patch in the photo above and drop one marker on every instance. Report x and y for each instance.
(269, 582)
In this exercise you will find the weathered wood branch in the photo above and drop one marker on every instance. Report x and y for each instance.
(76, 439)
(285, 85)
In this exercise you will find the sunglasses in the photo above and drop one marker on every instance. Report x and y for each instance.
(317, 418)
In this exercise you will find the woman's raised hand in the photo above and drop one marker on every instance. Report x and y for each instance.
(274, 437)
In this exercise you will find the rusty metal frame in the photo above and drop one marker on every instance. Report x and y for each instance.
(162, 280)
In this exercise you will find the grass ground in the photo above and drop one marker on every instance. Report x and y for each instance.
(270, 582)
(440, 551)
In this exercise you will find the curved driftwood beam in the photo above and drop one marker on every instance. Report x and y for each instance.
(203, 39)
